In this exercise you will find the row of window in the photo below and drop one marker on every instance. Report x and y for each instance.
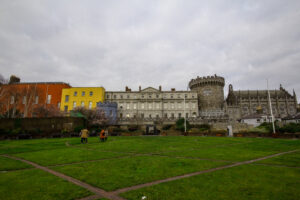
(121, 96)
(82, 93)
(82, 104)
(36, 100)
(155, 106)
(172, 115)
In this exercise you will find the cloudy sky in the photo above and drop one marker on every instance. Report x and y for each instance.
(118, 43)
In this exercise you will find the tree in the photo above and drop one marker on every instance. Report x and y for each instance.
(180, 125)
(94, 117)
(46, 111)
(14, 79)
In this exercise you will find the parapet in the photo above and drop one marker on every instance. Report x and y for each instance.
(207, 80)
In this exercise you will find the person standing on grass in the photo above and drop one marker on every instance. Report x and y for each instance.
(84, 135)
(102, 135)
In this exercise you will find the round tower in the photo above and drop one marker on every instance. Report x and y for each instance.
(210, 92)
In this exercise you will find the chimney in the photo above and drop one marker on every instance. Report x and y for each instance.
(173, 89)
(126, 89)
(140, 88)
(159, 88)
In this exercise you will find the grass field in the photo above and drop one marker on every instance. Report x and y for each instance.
(124, 162)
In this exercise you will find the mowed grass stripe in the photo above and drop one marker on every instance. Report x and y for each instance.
(7, 164)
(37, 184)
(124, 172)
(241, 182)
(290, 160)
(65, 156)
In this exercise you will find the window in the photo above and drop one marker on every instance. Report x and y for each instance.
(150, 116)
(166, 115)
(186, 105)
(194, 105)
(172, 105)
(150, 106)
(171, 96)
(91, 93)
(115, 96)
(107, 96)
(36, 99)
(157, 105)
(142, 115)
(58, 104)
(82, 104)
(187, 115)
(178, 96)
(157, 115)
(110, 113)
(179, 115)
(75, 93)
(157, 96)
(127, 115)
(128, 106)
(128, 96)
(134, 106)
(179, 105)
(150, 96)
(83, 93)
(90, 104)
(142, 105)
(185, 96)
(142, 96)
(121, 115)
(172, 115)
(48, 99)
(74, 104)
(121, 96)
(67, 98)
(135, 96)
(66, 108)
(24, 100)
(165, 105)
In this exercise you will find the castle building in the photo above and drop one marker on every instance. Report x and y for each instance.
(87, 97)
(151, 103)
(210, 91)
(245, 102)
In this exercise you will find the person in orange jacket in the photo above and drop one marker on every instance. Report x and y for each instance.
(102, 135)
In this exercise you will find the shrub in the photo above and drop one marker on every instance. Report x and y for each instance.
(290, 128)
(167, 127)
(77, 129)
(133, 128)
(180, 125)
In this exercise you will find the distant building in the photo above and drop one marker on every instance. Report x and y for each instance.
(110, 111)
(81, 97)
(242, 103)
(292, 119)
(20, 99)
(154, 104)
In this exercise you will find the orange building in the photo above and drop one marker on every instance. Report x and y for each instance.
(23, 99)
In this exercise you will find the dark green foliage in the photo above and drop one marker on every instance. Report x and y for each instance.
(77, 129)
(180, 125)
(167, 127)
(290, 128)
(133, 128)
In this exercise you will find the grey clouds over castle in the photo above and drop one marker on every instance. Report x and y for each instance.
(132, 43)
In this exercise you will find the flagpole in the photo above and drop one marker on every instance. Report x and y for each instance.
(271, 111)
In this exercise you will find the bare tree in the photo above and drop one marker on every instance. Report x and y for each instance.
(47, 111)
(93, 116)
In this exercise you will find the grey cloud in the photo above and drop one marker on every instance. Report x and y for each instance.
(150, 43)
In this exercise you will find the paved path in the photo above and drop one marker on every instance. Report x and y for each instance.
(114, 195)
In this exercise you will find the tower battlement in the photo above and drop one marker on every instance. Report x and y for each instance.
(206, 80)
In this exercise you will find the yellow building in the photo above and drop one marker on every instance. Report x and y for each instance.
(81, 96)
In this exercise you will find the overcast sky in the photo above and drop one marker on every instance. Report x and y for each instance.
(118, 43)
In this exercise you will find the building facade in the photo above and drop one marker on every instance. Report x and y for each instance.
(245, 102)
(210, 91)
(81, 97)
(152, 104)
(20, 99)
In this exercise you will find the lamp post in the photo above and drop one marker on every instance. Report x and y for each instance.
(271, 111)
(184, 111)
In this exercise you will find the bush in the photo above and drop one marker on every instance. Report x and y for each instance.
(133, 128)
(16, 131)
(180, 125)
(167, 127)
(78, 129)
(290, 128)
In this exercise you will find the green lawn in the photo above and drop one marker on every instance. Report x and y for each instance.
(37, 184)
(7, 164)
(123, 172)
(243, 182)
(291, 160)
(65, 155)
(114, 166)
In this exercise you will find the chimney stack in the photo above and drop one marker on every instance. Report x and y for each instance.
(140, 88)
(173, 89)
(159, 88)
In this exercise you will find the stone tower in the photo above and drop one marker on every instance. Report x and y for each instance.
(210, 92)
